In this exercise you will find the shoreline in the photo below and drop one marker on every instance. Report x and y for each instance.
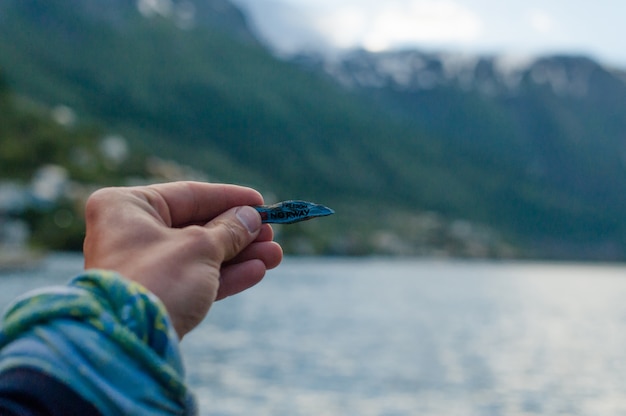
(12, 259)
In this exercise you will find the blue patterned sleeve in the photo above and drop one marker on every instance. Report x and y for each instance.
(105, 337)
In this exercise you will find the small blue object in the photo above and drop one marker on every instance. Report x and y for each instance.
(289, 212)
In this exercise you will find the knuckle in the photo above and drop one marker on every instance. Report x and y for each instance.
(198, 236)
(216, 246)
(236, 237)
(231, 237)
(96, 201)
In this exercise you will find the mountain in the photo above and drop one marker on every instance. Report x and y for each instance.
(417, 154)
(553, 128)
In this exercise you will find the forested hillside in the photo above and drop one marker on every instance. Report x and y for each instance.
(48, 168)
(397, 167)
(553, 127)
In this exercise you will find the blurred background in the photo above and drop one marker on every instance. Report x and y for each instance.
(436, 128)
(474, 152)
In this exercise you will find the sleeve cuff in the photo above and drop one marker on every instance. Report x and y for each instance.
(105, 336)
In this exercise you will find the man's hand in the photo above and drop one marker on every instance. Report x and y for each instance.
(189, 243)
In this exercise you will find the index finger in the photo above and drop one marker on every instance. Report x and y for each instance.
(198, 202)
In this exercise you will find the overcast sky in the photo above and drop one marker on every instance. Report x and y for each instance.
(595, 28)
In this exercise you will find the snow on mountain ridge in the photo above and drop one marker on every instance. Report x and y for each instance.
(183, 13)
(491, 75)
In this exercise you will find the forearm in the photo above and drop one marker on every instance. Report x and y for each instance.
(106, 338)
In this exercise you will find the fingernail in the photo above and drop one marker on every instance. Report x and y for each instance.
(249, 217)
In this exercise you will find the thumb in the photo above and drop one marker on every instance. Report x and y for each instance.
(234, 230)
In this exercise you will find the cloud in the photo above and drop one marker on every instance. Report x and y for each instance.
(386, 24)
(285, 26)
(372, 24)
(541, 22)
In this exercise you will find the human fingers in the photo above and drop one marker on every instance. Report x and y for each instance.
(184, 203)
(231, 232)
(269, 252)
(238, 277)
(266, 233)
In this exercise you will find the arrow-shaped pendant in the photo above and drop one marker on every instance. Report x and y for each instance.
(289, 212)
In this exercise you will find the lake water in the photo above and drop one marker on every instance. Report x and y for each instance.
(386, 337)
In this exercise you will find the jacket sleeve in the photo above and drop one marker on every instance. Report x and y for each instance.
(106, 339)
(29, 392)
